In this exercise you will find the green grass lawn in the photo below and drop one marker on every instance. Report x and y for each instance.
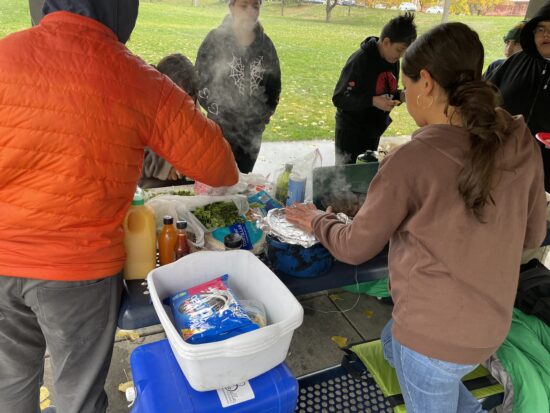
(312, 52)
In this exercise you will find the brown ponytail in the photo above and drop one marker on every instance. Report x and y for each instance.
(476, 102)
(453, 54)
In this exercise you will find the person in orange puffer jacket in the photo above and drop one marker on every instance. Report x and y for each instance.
(77, 109)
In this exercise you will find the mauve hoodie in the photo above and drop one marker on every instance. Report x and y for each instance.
(453, 279)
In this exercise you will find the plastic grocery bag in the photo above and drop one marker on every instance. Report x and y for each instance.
(304, 167)
(248, 183)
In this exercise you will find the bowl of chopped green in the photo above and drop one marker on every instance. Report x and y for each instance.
(218, 214)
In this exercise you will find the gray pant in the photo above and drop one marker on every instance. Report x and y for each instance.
(77, 321)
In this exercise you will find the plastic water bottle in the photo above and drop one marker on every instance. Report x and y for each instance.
(296, 189)
(140, 239)
(281, 188)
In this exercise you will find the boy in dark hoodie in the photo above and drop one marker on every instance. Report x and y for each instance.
(524, 80)
(367, 89)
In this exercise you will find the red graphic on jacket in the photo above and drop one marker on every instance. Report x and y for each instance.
(386, 84)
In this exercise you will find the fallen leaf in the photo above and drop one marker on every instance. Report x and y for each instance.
(340, 341)
(335, 297)
(44, 393)
(44, 398)
(129, 334)
(123, 386)
(368, 313)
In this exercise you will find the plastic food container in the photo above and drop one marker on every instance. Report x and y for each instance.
(212, 366)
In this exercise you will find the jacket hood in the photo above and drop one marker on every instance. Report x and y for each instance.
(527, 39)
(369, 43)
(118, 15)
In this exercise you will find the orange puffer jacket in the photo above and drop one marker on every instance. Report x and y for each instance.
(76, 111)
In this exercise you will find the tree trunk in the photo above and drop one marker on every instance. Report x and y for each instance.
(446, 7)
(329, 6)
(282, 7)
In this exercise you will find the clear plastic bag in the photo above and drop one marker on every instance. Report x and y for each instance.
(303, 167)
(255, 311)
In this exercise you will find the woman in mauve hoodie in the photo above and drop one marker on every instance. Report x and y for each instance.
(457, 203)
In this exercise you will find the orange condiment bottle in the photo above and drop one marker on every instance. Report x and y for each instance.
(167, 241)
(181, 248)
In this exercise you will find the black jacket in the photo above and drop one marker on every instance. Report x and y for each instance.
(524, 79)
(238, 86)
(365, 75)
(524, 82)
(492, 68)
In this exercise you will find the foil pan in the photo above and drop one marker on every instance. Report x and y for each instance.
(275, 224)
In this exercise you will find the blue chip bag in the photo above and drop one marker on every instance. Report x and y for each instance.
(209, 312)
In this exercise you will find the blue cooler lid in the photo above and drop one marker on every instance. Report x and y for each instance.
(161, 387)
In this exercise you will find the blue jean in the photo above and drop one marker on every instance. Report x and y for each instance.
(428, 385)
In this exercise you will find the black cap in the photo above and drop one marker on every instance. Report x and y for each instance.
(181, 224)
(168, 220)
(233, 241)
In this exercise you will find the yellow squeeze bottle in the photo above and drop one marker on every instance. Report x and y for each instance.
(140, 239)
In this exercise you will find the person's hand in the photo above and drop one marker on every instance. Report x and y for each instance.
(173, 175)
(385, 103)
(301, 215)
(403, 96)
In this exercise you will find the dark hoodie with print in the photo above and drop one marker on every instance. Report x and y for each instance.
(524, 82)
(118, 15)
(239, 86)
(359, 124)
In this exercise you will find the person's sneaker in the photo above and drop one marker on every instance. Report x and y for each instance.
(49, 409)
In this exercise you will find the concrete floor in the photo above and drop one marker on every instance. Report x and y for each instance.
(327, 314)
(312, 348)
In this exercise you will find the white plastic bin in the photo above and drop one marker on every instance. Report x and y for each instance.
(225, 363)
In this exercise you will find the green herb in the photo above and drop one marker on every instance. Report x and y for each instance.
(219, 214)
(182, 192)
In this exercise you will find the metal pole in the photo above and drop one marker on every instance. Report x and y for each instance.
(534, 6)
(35, 8)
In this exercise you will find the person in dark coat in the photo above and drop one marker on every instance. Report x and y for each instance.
(524, 80)
(240, 79)
(512, 46)
(157, 172)
(367, 90)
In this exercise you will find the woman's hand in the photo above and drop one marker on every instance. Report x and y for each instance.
(301, 215)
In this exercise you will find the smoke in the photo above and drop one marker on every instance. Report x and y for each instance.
(235, 85)
(333, 187)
